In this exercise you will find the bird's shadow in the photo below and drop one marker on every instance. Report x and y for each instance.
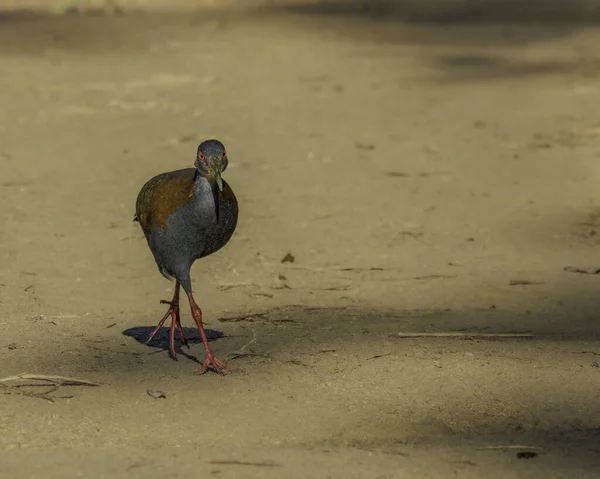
(161, 338)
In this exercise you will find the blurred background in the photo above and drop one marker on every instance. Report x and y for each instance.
(401, 167)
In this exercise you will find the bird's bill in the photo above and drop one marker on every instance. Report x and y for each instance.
(215, 170)
(219, 181)
(216, 186)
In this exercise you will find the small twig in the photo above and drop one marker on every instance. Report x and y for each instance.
(507, 446)
(240, 463)
(325, 269)
(233, 356)
(524, 282)
(16, 390)
(289, 307)
(586, 352)
(296, 362)
(262, 293)
(244, 317)
(436, 276)
(252, 341)
(377, 356)
(241, 352)
(464, 334)
(250, 316)
(334, 288)
(373, 268)
(588, 270)
(56, 380)
(31, 385)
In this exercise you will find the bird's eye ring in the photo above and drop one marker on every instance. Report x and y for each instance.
(224, 155)
(201, 156)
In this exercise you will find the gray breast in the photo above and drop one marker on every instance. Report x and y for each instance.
(193, 232)
(212, 234)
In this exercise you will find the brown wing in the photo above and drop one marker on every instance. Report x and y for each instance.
(162, 195)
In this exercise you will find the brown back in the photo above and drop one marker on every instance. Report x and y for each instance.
(163, 195)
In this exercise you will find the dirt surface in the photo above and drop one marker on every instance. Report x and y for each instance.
(425, 178)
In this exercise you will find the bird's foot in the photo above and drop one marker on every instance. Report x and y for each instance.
(174, 306)
(211, 360)
(214, 363)
(175, 323)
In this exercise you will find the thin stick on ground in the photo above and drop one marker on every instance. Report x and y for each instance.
(54, 382)
(506, 446)
(466, 335)
(15, 390)
(241, 353)
(241, 463)
(60, 380)
(252, 341)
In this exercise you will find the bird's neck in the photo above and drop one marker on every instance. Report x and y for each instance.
(205, 185)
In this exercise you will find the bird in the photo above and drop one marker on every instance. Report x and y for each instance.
(186, 215)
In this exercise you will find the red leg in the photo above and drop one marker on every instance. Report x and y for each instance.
(180, 331)
(175, 323)
(211, 360)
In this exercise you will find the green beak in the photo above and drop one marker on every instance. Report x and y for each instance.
(215, 171)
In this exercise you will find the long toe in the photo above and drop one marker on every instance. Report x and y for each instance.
(174, 323)
(182, 337)
(160, 325)
(214, 363)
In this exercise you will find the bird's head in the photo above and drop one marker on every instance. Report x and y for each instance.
(211, 160)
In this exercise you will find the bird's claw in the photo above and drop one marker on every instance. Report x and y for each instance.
(173, 312)
(214, 363)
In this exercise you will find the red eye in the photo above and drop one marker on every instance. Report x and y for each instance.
(201, 156)
(224, 155)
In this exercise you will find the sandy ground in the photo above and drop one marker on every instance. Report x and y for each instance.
(413, 172)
